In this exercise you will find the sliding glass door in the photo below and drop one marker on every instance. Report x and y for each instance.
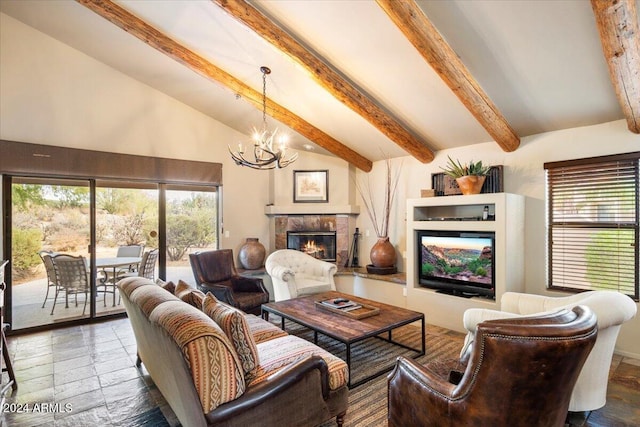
(48, 216)
(126, 227)
(111, 224)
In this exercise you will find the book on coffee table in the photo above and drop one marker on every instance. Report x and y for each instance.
(351, 309)
(338, 303)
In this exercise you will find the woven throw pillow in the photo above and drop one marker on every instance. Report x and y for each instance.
(235, 326)
(189, 295)
(167, 286)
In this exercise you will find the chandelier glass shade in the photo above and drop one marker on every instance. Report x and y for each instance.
(269, 151)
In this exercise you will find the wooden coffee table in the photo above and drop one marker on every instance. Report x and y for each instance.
(304, 311)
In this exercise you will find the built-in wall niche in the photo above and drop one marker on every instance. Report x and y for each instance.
(464, 214)
(471, 212)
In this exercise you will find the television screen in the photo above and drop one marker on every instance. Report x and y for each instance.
(461, 262)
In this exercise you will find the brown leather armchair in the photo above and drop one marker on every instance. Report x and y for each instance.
(216, 272)
(521, 372)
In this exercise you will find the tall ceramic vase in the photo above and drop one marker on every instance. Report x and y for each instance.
(252, 254)
(383, 254)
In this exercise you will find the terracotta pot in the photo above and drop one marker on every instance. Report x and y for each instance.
(383, 254)
(471, 184)
(252, 254)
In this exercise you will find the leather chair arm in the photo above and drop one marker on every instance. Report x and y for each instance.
(270, 388)
(248, 284)
(283, 273)
(416, 396)
(222, 293)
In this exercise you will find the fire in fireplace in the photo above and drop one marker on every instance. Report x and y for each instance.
(318, 244)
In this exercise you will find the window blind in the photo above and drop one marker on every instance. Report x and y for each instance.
(592, 207)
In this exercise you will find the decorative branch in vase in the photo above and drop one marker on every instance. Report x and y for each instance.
(383, 254)
(470, 176)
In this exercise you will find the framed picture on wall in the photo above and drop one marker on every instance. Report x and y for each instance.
(311, 186)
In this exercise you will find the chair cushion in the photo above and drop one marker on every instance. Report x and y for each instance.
(214, 365)
(234, 325)
(189, 295)
(278, 353)
(262, 330)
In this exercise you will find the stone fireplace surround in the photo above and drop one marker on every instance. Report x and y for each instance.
(310, 223)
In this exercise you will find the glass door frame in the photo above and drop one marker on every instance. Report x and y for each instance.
(7, 224)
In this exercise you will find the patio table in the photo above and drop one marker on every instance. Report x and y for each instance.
(115, 263)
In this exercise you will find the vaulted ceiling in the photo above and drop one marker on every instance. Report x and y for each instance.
(364, 80)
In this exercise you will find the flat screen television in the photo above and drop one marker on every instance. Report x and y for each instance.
(457, 262)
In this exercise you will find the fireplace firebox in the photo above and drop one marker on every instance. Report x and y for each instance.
(318, 244)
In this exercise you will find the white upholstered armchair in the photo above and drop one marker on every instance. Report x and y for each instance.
(295, 273)
(612, 310)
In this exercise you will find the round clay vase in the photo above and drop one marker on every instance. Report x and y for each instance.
(252, 254)
(383, 254)
(470, 184)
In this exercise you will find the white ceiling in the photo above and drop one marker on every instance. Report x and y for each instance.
(540, 62)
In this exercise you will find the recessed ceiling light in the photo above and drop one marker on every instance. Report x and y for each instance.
(308, 147)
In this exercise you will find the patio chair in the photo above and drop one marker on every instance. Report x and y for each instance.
(71, 277)
(146, 269)
(45, 256)
(147, 265)
(129, 251)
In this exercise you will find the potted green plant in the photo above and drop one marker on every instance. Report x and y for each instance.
(470, 176)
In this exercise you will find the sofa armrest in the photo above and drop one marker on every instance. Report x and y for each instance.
(283, 273)
(318, 269)
(280, 382)
(248, 284)
(221, 292)
(611, 307)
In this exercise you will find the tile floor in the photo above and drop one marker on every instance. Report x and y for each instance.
(89, 372)
(86, 376)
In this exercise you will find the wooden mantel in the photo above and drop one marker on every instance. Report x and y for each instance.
(311, 209)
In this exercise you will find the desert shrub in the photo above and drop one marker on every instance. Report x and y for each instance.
(25, 246)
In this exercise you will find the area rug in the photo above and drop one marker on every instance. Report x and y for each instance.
(368, 402)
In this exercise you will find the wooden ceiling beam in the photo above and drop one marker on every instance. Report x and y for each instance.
(156, 39)
(417, 28)
(617, 22)
(327, 77)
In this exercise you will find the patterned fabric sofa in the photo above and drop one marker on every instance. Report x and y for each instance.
(215, 365)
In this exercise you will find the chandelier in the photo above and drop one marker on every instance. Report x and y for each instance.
(266, 156)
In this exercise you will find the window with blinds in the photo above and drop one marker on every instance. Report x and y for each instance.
(592, 207)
